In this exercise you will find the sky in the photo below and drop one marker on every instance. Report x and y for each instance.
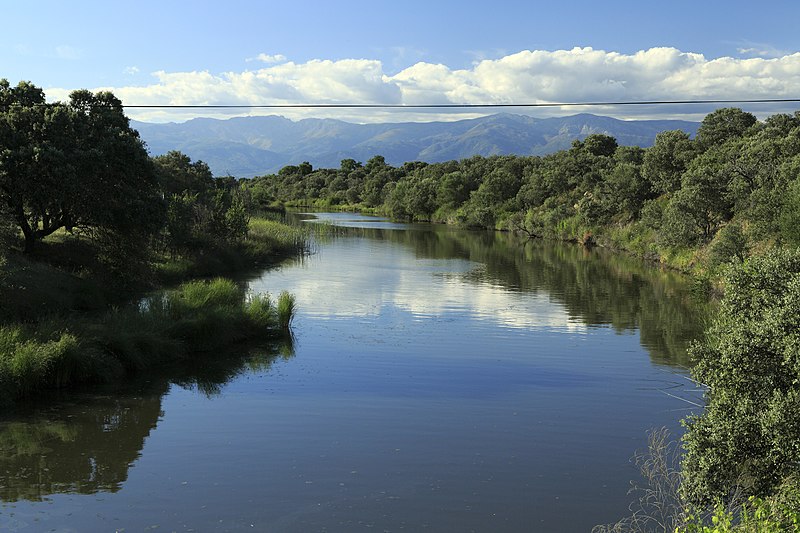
(407, 53)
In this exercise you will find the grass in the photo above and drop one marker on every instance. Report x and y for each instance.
(199, 316)
(287, 306)
(268, 242)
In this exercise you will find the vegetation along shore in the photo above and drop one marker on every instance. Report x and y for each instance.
(89, 223)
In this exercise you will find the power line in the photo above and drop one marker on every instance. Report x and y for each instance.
(458, 106)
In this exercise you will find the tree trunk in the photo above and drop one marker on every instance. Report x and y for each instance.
(28, 232)
(30, 241)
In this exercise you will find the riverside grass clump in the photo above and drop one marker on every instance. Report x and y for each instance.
(197, 317)
(266, 242)
(286, 309)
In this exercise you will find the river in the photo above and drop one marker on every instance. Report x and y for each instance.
(440, 379)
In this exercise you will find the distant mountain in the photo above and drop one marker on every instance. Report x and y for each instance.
(250, 146)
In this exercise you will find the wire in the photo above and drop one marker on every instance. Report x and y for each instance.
(457, 106)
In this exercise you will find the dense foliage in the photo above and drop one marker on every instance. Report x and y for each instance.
(98, 219)
(672, 201)
(77, 169)
(75, 165)
(748, 438)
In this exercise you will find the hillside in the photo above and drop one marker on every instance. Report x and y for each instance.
(250, 146)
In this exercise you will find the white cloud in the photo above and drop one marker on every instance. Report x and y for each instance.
(131, 71)
(751, 49)
(537, 76)
(267, 58)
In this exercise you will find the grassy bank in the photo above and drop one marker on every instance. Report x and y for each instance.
(267, 243)
(198, 316)
(67, 273)
(66, 320)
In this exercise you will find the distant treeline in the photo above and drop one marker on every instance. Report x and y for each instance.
(709, 199)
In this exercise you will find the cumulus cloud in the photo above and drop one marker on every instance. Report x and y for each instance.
(529, 76)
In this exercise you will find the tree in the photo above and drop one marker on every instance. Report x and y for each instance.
(600, 144)
(722, 125)
(749, 434)
(625, 190)
(667, 159)
(790, 215)
(75, 165)
(698, 209)
(178, 174)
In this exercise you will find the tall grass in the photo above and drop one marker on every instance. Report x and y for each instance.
(287, 306)
(268, 241)
(199, 316)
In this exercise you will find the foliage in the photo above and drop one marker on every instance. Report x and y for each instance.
(749, 435)
(777, 513)
(790, 215)
(203, 212)
(197, 316)
(722, 125)
(666, 161)
(75, 165)
(730, 244)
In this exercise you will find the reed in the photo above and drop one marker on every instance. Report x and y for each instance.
(287, 306)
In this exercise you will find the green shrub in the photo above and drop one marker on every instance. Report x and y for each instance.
(729, 244)
(790, 215)
(748, 438)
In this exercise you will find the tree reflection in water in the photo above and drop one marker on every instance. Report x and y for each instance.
(87, 443)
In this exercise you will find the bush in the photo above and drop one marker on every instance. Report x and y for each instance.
(790, 215)
(729, 244)
(748, 438)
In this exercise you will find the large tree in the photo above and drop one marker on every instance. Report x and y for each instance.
(75, 165)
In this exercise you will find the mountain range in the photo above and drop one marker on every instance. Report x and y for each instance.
(251, 146)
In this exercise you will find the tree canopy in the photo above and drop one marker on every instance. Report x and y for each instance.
(76, 165)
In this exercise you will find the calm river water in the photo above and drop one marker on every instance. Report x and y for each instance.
(440, 380)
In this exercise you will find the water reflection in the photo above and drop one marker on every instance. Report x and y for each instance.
(83, 448)
(87, 443)
(445, 379)
(498, 276)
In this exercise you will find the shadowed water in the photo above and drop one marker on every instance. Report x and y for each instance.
(442, 379)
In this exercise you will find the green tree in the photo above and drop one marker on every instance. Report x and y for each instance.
(722, 125)
(178, 174)
(667, 159)
(77, 165)
(600, 144)
(749, 435)
(790, 215)
(625, 190)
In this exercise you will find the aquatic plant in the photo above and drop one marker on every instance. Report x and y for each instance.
(286, 309)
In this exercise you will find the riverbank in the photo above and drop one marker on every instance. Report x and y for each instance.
(68, 322)
(626, 239)
(692, 204)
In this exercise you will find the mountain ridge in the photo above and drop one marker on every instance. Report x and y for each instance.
(250, 146)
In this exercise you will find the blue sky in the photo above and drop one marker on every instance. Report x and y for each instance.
(403, 52)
